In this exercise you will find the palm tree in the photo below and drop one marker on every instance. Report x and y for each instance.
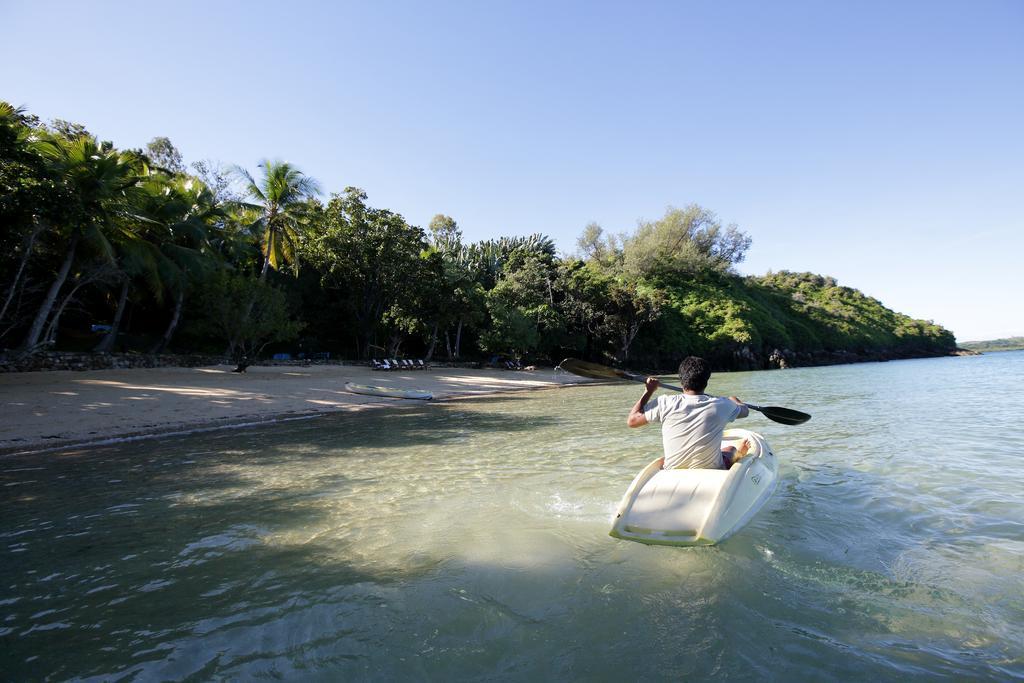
(103, 182)
(277, 216)
(170, 242)
(14, 151)
(138, 256)
(279, 210)
(187, 217)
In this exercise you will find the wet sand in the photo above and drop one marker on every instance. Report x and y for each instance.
(52, 409)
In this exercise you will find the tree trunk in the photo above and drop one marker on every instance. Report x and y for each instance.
(628, 336)
(51, 330)
(29, 243)
(50, 337)
(394, 343)
(433, 343)
(245, 318)
(233, 342)
(32, 338)
(107, 343)
(458, 339)
(448, 345)
(166, 339)
(367, 343)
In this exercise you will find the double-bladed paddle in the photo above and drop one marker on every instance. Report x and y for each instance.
(583, 368)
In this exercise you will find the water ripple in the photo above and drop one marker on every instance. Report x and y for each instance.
(469, 541)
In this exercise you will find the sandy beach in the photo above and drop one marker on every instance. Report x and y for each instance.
(53, 409)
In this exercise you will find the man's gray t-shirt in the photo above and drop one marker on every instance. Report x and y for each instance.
(692, 428)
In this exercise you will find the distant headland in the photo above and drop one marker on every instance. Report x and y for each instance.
(1007, 344)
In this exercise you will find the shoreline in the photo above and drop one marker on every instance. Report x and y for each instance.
(57, 410)
(741, 360)
(62, 409)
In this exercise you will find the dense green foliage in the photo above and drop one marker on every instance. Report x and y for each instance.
(1008, 344)
(131, 250)
(801, 318)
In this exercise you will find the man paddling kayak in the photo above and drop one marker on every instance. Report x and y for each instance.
(692, 422)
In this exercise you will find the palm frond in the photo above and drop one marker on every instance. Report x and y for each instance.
(251, 186)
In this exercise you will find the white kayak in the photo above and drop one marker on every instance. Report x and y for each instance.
(389, 392)
(697, 507)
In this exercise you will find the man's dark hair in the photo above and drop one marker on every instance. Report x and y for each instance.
(694, 373)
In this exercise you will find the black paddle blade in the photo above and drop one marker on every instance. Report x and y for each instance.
(592, 370)
(786, 416)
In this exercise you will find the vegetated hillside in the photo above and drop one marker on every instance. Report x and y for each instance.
(782, 319)
(1009, 344)
(128, 250)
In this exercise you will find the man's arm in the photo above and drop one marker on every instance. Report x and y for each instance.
(744, 410)
(636, 415)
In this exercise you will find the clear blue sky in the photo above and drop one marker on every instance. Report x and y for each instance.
(880, 142)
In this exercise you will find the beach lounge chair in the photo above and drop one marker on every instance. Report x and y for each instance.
(420, 365)
(377, 365)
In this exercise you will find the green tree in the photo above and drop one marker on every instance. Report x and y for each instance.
(266, 322)
(280, 210)
(445, 234)
(417, 311)
(457, 298)
(68, 130)
(684, 241)
(30, 202)
(370, 256)
(141, 250)
(600, 250)
(584, 293)
(135, 257)
(165, 155)
(101, 182)
(630, 307)
(466, 308)
(524, 316)
(512, 331)
(486, 259)
(220, 179)
(184, 213)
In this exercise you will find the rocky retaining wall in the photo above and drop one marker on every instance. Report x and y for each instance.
(66, 360)
(55, 360)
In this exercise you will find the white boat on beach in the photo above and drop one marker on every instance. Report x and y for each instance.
(697, 506)
(389, 392)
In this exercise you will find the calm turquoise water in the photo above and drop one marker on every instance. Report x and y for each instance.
(469, 541)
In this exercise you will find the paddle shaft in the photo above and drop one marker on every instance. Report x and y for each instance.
(782, 415)
(673, 387)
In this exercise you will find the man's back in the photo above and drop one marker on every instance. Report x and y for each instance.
(692, 427)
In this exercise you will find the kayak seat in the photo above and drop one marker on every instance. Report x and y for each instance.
(696, 506)
(676, 499)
